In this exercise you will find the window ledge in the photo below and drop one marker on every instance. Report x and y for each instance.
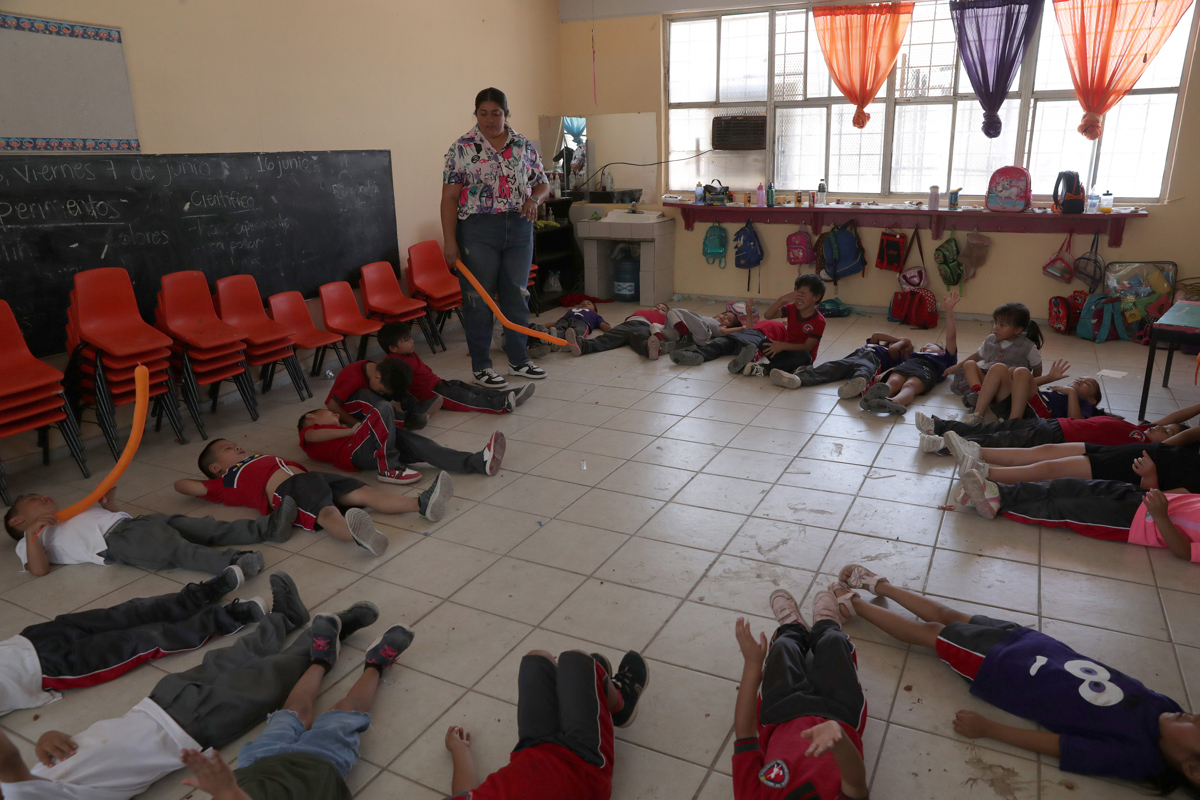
(935, 222)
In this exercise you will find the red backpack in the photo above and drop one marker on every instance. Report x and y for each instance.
(799, 249)
(1065, 311)
(891, 250)
(916, 307)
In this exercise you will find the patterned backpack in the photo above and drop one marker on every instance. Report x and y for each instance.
(1010, 189)
(946, 258)
(799, 249)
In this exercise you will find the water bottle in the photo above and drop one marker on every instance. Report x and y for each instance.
(771, 194)
(699, 192)
(761, 199)
(626, 277)
(1093, 202)
(935, 198)
(822, 193)
(1106, 203)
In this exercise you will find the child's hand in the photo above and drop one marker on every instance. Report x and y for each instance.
(53, 747)
(1156, 503)
(771, 348)
(951, 370)
(753, 651)
(1144, 465)
(823, 737)
(458, 740)
(211, 772)
(1059, 369)
(44, 521)
(970, 724)
(950, 301)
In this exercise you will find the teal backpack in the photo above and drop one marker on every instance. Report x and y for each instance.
(716, 242)
(1101, 319)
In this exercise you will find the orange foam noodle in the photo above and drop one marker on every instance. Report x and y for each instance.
(512, 326)
(141, 379)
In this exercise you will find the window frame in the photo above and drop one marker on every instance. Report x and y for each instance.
(1023, 93)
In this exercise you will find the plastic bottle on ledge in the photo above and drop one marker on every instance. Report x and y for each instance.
(699, 192)
(761, 199)
(935, 198)
(822, 193)
(771, 194)
(1093, 202)
(1106, 203)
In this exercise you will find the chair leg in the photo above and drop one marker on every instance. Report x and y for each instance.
(191, 393)
(430, 333)
(43, 434)
(343, 354)
(170, 405)
(296, 373)
(214, 394)
(105, 411)
(4, 488)
(246, 390)
(318, 359)
(362, 346)
(69, 428)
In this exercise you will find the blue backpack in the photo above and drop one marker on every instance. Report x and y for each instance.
(843, 252)
(748, 251)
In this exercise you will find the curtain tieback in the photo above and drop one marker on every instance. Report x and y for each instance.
(1091, 127)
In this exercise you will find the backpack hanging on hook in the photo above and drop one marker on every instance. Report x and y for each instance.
(748, 252)
(716, 244)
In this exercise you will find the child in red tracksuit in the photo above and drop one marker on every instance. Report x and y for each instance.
(396, 340)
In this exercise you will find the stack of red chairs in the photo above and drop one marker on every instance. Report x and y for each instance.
(430, 280)
(107, 339)
(340, 314)
(268, 342)
(204, 349)
(384, 299)
(290, 309)
(32, 398)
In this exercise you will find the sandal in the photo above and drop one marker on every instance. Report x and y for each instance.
(856, 576)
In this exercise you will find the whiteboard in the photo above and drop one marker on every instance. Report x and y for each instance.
(65, 87)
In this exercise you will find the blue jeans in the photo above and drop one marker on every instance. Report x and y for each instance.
(333, 737)
(498, 249)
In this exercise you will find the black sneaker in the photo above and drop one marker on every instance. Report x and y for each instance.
(631, 680)
(527, 370)
(247, 611)
(387, 648)
(251, 562)
(970, 400)
(687, 358)
(358, 616)
(279, 524)
(227, 580)
(325, 642)
(433, 500)
(364, 532)
(285, 599)
(524, 393)
(489, 378)
(745, 356)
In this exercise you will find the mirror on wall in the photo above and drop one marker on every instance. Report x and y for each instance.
(575, 148)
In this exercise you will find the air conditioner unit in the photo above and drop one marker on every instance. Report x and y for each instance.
(739, 133)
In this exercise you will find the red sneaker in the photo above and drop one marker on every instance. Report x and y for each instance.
(400, 476)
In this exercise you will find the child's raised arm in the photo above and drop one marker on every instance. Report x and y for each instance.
(949, 302)
(1182, 415)
(754, 652)
(773, 310)
(191, 487)
(882, 338)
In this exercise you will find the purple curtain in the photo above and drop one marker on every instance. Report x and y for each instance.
(992, 37)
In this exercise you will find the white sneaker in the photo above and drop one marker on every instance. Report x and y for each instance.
(787, 380)
(984, 495)
(965, 452)
(931, 443)
(852, 388)
(653, 348)
(754, 370)
(489, 378)
(572, 341)
(493, 453)
(527, 370)
(924, 423)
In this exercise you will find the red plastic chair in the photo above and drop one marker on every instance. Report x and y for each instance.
(383, 298)
(430, 279)
(239, 303)
(290, 309)
(340, 314)
(32, 397)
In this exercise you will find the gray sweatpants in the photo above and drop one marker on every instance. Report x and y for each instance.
(235, 687)
(401, 447)
(162, 541)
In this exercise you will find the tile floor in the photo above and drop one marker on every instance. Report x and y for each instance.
(644, 505)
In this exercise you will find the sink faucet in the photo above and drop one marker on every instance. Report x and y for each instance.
(633, 209)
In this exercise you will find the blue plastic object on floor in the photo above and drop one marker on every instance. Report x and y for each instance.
(626, 278)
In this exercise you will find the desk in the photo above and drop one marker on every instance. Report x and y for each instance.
(1180, 325)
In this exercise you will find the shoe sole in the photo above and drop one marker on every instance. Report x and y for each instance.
(653, 351)
(745, 356)
(497, 444)
(957, 446)
(687, 359)
(374, 609)
(287, 510)
(399, 481)
(883, 405)
(924, 423)
(787, 380)
(443, 490)
(976, 488)
(852, 388)
(520, 374)
(364, 533)
(238, 574)
(258, 561)
(292, 591)
(323, 620)
(931, 445)
(524, 393)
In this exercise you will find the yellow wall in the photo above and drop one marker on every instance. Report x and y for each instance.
(245, 75)
(629, 69)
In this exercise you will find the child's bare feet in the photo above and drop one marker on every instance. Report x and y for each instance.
(786, 609)
(856, 576)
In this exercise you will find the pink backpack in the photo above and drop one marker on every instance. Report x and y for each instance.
(799, 249)
(1010, 189)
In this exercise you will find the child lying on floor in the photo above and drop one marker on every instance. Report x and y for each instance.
(1014, 394)
(682, 322)
(881, 353)
(800, 710)
(237, 478)
(1096, 719)
(107, 535)
(1112, 510)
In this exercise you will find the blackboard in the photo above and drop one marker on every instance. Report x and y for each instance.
(292, 220)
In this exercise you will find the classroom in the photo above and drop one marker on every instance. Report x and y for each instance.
(630, 399)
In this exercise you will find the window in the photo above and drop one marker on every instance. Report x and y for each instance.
(925, 127)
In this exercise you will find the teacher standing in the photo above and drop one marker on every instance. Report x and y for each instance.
(491, 189)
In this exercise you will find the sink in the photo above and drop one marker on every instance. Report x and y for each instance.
(624, 215)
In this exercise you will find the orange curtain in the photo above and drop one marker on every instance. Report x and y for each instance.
(860, 45)
(1109, 44)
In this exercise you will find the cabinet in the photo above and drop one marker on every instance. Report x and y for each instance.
(555, 251)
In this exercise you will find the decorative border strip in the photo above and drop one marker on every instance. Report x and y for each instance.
(55, 28)
(71, 145)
